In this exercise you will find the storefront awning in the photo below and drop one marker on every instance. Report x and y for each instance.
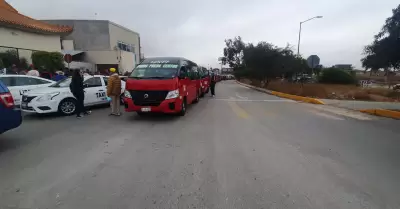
(71, 52)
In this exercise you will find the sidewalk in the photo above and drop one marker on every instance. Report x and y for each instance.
(358, 105)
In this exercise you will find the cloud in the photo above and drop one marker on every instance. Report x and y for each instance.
(197, 29)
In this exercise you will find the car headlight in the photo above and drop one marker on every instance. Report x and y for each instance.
(127, 94)
(172, 94)
(48, 97)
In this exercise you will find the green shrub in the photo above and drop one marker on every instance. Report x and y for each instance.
(49, 61)
(336, 76)
(9, 58)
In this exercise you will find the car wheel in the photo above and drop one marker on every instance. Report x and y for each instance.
(67, 106)
(183, 108)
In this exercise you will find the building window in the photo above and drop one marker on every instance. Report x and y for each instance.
(126, 47)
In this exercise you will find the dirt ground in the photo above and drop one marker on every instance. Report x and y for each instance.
(332, 91)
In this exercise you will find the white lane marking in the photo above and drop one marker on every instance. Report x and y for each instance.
(325, 115)
(340, 111)
(240, 97)
(254, 100)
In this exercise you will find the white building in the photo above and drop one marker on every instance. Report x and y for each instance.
(25, 35)
(101, 42)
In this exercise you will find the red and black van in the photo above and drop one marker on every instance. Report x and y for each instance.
(165, 84)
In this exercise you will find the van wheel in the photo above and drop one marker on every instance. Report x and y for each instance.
(197, 97)
(67, 107)
(183, 108)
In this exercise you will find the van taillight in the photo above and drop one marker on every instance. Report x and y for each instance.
(7, 100)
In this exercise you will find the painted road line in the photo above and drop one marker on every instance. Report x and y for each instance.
(340, 111)
(240, 112)
(255, 100)
(240, 97)
(325, 115)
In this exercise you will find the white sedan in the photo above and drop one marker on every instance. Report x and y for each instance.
(58, 97)
(20, 84)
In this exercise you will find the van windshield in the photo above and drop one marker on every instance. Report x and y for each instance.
(155, 71)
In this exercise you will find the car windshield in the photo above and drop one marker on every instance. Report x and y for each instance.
(62, 83)
(156, 71)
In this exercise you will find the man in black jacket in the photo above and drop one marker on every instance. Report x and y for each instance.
(212, 84)
(77, 90)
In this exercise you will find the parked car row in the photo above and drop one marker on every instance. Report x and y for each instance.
(166, 85)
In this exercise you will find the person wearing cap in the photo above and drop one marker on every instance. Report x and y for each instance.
(114, 92)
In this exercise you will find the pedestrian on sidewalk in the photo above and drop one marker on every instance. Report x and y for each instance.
(212, 84)
(77, 90)
(114, 92)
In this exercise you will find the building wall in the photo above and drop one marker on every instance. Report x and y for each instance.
(20, 39)
(27, 42)
(88, 35)
(101, 57)
(120, 33)
(127, 62)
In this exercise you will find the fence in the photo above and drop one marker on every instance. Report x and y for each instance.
(15, 56)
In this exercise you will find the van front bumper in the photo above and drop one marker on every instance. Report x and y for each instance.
(166, 106)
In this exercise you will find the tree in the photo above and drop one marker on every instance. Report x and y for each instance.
(383, 51)
(48, 61)
(233, 52)
(263, 61)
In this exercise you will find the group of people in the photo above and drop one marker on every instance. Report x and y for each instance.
(113, 92)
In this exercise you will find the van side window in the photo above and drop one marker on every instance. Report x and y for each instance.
(195, 73)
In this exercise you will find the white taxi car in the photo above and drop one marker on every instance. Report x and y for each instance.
(58, 97)
(20, 84)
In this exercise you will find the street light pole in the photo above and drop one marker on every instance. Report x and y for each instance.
(298, 44)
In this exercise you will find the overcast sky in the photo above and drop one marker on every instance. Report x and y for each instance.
(196, 29)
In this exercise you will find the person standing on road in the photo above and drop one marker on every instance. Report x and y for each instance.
(114, 92)
(77, 90)
(212, 84)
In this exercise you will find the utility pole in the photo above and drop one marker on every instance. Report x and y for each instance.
(298, 44)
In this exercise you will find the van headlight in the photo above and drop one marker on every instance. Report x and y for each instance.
(48, 97)
(127, 94)
(172, 94)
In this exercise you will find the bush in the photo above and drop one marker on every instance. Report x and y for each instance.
(49, 61)
(336, 76)
(9, 58)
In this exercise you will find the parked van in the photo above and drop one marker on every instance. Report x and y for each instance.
(205, 80)
(165, 84)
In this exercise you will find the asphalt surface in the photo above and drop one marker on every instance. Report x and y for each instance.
(241, 149)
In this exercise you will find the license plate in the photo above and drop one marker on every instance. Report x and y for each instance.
(24, 105)
(145, 109)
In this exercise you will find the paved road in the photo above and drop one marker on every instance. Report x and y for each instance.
(242, 149)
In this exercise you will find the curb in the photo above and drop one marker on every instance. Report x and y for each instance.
(287, 96)
(383, 113)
